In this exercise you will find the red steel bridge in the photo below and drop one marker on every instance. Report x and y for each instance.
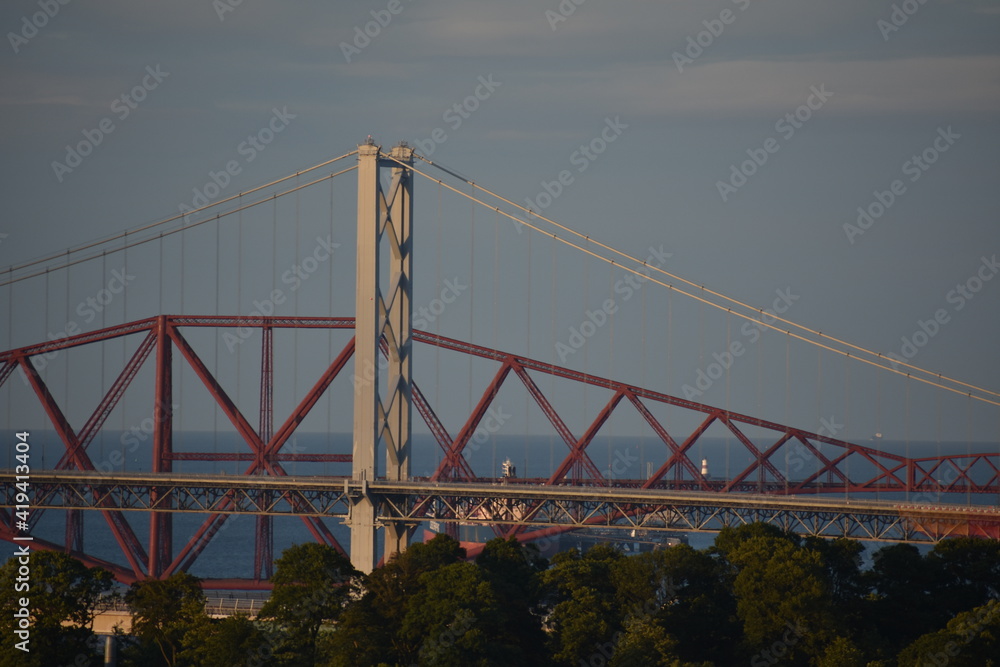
(851, 490)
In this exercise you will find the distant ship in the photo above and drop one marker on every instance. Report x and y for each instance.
(877, 436)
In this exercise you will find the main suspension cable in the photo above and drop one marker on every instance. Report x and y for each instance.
(880, 356)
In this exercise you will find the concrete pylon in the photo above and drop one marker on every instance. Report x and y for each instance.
(384, 316)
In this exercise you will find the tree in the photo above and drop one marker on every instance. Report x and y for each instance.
(782, 597)
(456, 620)
(513, 570)
(370, 631)
(645, 643)
(905, 600)
(163, 612)
(312, 584)
(971, 639)
(583, 617)
(842, 652)
(62, 595)
(969, 570)
(698, 609)
(235, 641)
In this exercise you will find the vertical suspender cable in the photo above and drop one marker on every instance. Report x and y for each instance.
(294, 332)
(496, 324)
(472, 288)
(239, 305)
(124, 338)
(437, 320)
(968, 447)
(819, 407)
(218, 261)
(642, 371)
(527, 406)
(104, 281)
(906, 429)
(329, 340)
(847, 419)
(552, 378)
(728, 432)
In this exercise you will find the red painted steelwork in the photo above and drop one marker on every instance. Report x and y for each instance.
(973, 473)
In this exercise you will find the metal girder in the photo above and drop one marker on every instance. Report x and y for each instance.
(120, 528)
(884, 473)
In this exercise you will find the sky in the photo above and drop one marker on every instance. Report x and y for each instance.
(836, 159)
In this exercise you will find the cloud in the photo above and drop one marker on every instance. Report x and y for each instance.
(921, 85)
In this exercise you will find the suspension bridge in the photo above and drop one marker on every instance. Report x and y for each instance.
(164, 498)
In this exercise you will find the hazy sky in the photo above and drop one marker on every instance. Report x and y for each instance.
(890, 107)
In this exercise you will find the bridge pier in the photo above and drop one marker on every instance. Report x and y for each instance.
(384, 321)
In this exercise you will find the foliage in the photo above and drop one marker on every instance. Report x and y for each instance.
(163, 612)
(235, 641)
(60, 589)
(759, 596)
(312, 585)
(970, 639)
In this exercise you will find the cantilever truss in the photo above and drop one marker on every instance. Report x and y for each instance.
(841, 467)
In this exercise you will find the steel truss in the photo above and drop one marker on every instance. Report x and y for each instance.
(836, 471)
(536, 506)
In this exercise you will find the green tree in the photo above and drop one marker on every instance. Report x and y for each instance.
(699, 609)
(312, 584)
(514, 573)
(971, 639)
(782, 595)
(905, 597)
(59, 589)
(163, 612)
(584, 616)
(969, 570)
(842, 652)
(455, 619)
(235, 641)
(370, 631)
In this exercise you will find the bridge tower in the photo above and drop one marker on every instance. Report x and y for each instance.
(384, 317)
